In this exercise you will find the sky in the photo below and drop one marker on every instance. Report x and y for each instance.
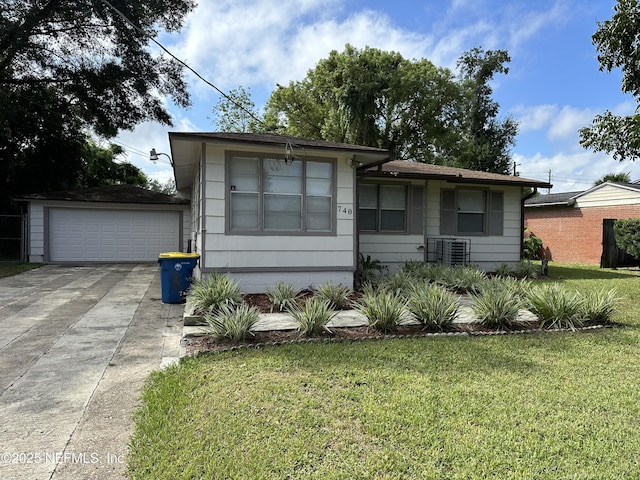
(554, 86)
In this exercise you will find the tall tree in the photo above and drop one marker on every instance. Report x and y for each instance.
(617, 41)
(488, 139)
(69, 67)
(236, 112)
(420, 111)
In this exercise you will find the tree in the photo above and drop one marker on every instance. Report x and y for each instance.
(614, 178)
(168, 187)
(420, 111)
(488, 139)
(373, 98)
(68, 68)
(236, 112)
(617, 43)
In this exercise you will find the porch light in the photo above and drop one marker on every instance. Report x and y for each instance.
(155, 156)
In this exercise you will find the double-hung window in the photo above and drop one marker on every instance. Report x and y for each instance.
(469, 211)
(383, 208)
(273, 196)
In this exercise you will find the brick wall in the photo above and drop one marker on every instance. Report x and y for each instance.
(572, 234)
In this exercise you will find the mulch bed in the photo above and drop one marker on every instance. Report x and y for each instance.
(207, 343)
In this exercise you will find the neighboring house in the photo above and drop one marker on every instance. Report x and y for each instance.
(118, 223)
(267, 208)
(574, 226)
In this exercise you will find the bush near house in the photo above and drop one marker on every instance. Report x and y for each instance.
(628, 236)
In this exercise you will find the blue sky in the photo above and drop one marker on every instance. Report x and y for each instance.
(553, 88)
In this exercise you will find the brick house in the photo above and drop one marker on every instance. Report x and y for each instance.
(571, 225)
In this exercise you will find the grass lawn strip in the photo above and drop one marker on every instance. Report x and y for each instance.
(524, 406)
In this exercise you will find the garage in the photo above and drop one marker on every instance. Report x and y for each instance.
(116, 223)
(92, 235)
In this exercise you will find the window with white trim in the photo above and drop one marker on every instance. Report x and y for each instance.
(267, 194)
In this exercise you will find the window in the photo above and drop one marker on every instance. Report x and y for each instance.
(383, 208)
(471, 212)
(269, 195)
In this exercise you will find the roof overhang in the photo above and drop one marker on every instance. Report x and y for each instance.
(187, 149)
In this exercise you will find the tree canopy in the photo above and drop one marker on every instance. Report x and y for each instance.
(613, 177)
(376, 98)
(618, 45)
(70, 70)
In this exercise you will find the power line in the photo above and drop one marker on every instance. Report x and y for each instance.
(183, 63)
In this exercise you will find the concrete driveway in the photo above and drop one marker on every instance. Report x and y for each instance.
(76, 344)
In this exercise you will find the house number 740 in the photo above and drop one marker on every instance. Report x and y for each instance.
(346, 210)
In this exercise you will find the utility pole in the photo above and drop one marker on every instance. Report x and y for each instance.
(548, 189)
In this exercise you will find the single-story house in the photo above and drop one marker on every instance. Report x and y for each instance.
(118, 223)
(268, 208)
(575, 226)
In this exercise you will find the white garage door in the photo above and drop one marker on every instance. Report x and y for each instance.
(111, 235)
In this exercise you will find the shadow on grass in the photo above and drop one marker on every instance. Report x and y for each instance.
(587, 272)
(8, 269)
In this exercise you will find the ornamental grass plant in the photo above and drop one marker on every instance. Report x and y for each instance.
(232, 322)
(282, 296)
(337, 295)
(498, 303)
(433, 306)
(213, 292)
(555, 306)
(384, 309)
(312, 316)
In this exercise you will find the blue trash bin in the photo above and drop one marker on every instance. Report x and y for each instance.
(176, 269)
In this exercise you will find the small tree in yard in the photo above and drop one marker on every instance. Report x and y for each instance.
(628, 236)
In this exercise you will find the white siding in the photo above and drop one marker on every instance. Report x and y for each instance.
(36, 232)
(609, 196)
(485, 251)
(333, 254)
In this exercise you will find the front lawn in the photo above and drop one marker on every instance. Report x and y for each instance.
(553, 405)
(8, 269)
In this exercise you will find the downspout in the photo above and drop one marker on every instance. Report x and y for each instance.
(203, 208)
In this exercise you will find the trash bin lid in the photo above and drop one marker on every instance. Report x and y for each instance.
(179, 255)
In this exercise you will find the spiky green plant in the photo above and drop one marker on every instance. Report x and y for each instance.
(337, 295)
(399, 282)
(232, 322)
(213, 292)
(312, 315)
(464, 278)
(598, 307)
(369, 270)
(504, 270)
(282, 296)
(498, 303)
(555, 306)
(526, 269)
(384, 309)
(433, 306)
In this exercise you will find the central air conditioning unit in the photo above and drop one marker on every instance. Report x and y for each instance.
(451, 252)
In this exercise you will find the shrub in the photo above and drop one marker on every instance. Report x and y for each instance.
(531, 246)
(555, 306)
(498, 303)
(337, 295)
(627, 234)
(399, 282)
(464, 279)
(431, 273)
(312, 316)
(369, 270)
(504, 270)
(213, 292)
(433, 306)
(232, 322)
(525, 269)
(384, 309)
(598, 307)
(282, 296)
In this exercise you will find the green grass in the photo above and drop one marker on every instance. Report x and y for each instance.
(544, 406)
(10, 268)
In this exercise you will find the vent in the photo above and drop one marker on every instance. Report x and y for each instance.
(451, 252)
